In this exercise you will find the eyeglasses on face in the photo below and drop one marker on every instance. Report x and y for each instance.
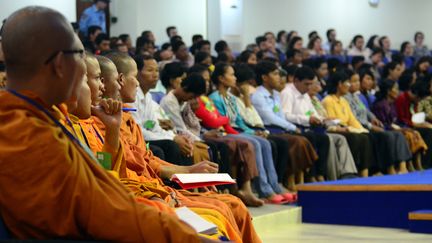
(81, 52)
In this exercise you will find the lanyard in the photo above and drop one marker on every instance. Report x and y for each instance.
(98, 135)
(46, 112)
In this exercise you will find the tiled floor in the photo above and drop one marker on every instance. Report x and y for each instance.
(338, 234)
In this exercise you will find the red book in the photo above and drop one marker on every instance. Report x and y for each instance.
(195, 180)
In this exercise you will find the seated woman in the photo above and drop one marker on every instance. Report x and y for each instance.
(268, 179)
(177, 107)
(385, 111)
(406, 106)
(341, 165)
(390, 147)
(425, 97)
(337, 107)
(243, 157)
(223, 77)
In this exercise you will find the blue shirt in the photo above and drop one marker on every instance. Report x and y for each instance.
(269, 108)
(92, 16)
(367, 100)
(230, 109)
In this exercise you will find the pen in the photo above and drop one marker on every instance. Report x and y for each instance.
(129, 109)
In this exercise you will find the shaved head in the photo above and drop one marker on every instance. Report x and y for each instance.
(30, 36)
(43, 54)
(122, 61)
(110, 78)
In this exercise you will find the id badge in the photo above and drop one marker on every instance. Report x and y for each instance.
(104, 159)
(149, 124)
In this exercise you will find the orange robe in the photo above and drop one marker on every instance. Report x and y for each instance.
(142, 161)
(52, 188)
(142, 187)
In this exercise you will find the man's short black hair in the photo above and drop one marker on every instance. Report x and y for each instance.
(171, 71)
(260, 39)
(197, 37)
(244, 73)
(357, 59)
(175, 39)
(202, 43)
(303, 73)
(264, 68)
(139, 59)
(101, 37)
(176, 45)
(169, 28)
(124, 37)
(197, 68)
(220, 46)
(290, 69)
(92, 29)
(195, 84)
(200, 56)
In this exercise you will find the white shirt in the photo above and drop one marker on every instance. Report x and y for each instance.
(149, 110)
(173, 109)
(356, 52)
(249, 114)
(296, 107)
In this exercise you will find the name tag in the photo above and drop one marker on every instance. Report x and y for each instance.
(104, 159)
(149, 124)
(276, 109)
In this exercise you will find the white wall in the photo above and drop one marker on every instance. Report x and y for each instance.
(399, 19)
(66, 7)
(135, 16)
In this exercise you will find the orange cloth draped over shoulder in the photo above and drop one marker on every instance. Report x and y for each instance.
(141, 187)
(53, 188)
(142, 161)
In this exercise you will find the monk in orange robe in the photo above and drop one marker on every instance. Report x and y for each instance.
(108, 111)
(51, 186)
(142, 161)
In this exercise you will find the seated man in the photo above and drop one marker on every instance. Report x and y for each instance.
(110, 153)
(142, 161)
(339, 161)
(155, 125)
(297, 108)
(75, 197)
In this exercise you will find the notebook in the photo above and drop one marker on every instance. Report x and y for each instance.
(195, 221)
(195, 180)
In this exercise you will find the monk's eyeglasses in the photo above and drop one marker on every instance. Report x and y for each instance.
(66, 52)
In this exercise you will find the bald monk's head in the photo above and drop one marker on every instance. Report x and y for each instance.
(128, 71)
(42, 54)
(94, 78)
(110, 78)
